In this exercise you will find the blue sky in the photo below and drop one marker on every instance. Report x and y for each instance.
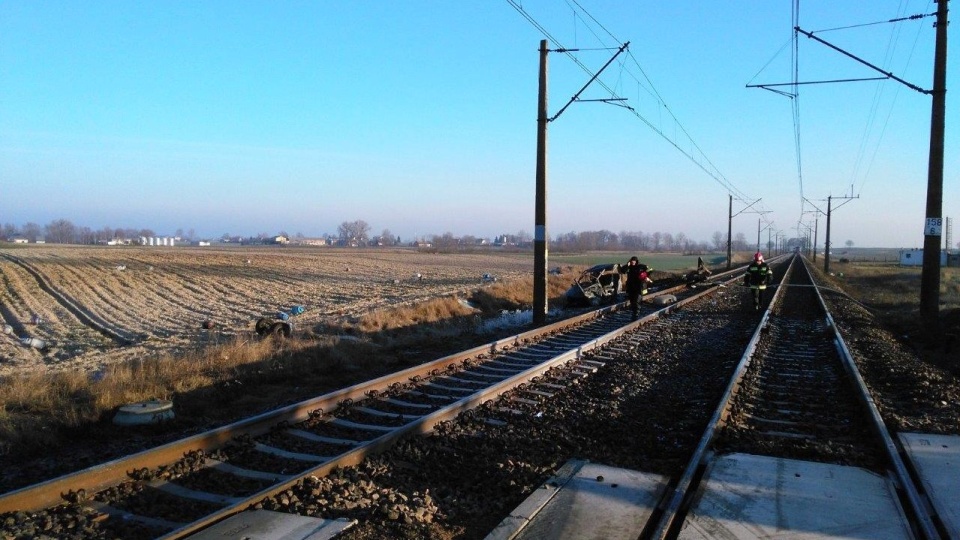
(419, 117)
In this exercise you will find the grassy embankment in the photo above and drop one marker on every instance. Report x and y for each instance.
(216, 384)
(892, 293)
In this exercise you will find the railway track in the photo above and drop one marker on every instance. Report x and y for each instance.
(181, 487)
(797, 394)
(502, 417)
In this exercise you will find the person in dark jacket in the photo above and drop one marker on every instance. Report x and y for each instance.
(758, 276)
(638, 278)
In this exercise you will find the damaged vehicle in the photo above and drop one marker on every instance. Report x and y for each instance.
(596, 285)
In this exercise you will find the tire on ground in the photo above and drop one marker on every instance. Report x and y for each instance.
(283, 329)
(264, 325)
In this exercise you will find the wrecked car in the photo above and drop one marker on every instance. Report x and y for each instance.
(596, 285)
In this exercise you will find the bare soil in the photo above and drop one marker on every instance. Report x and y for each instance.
(103, 305)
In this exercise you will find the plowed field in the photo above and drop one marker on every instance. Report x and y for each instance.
(99, 305)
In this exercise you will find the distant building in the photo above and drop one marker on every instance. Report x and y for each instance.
(914, 257)
(315, 242)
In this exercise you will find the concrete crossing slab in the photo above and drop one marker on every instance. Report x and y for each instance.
(745, 496)
(585, 501)
(936, 459)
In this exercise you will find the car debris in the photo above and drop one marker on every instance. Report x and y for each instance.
(268, 327)
(699, 276)
(601, 282)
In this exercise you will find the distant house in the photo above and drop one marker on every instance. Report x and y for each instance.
(20, 241)
(280, 239)
(914, 257)
(315, 242)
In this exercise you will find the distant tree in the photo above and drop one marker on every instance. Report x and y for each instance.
(849, 243)
(105, 234)
(719, 241)
(10, 230)
(86, 235)
(740, 242)
(354, 232)
(179, 233)
(656, 239)
(445, 242)
(31, 231)
(60, 231)
(468, 241)
(191, 234)
(146, 233)
(284, 234)
(681, 242)
(386, 237)
(668, 242)
(523, 237)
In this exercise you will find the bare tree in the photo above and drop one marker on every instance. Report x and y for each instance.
(354, 232)
(668, 243)
(60, 231)
(740, 242)
(386, 237)
(849, 243)
(86, 235)
(656, 239)
(10, 230)
(718, 241)
(31, 231)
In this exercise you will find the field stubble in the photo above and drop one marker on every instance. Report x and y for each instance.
(157, 299)
(367, 313)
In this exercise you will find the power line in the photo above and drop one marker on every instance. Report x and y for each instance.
(701, 160)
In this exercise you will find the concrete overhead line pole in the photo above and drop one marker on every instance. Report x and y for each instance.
(730, 216)
(933, 227)
(540, 213)
(930, 277)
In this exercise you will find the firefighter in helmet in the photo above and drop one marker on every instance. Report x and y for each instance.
(758, 276)
(638, 277)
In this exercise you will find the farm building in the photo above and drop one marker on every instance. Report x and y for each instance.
(914, 257)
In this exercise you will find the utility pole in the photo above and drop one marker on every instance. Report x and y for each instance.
(540, 212)
(729, 232)
(816, 224)
(730, 216)
(826, 242)
(930, 277)
(759, 219)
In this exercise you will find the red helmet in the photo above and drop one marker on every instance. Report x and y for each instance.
(758, 257)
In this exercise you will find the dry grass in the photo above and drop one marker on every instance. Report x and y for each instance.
(41, 410)
(892, 293)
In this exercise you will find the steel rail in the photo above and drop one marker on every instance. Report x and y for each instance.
(96, 478)
(677, 498)
(904, 481)
(426, 424)
(674, 499)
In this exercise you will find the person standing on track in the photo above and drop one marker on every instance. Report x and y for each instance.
(758, 276)
(638, 278)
